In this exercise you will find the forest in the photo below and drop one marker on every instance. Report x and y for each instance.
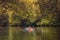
(42, 15)
(37, 13)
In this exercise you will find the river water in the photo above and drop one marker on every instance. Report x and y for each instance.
(40, 33)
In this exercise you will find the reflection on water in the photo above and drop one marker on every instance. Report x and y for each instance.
(3, 33)
(40, 33)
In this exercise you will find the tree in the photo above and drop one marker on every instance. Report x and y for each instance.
(4, 19)
(32, 13)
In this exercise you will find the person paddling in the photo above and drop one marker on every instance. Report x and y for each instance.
(28, 29)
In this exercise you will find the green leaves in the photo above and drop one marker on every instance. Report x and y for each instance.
(31, 10)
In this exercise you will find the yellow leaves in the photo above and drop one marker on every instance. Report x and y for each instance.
(3, 8)
(31, 1)
(34, 15)
(35, 7)
(24, 17)
(46, 0)
(10, 14)
(45, 21)
(28, 1)
(27, 15)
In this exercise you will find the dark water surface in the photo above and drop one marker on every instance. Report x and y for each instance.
(40, 33)
(4, 33)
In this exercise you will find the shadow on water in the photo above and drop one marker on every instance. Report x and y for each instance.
(40, 33)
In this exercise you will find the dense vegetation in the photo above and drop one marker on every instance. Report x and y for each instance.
(19, 13)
